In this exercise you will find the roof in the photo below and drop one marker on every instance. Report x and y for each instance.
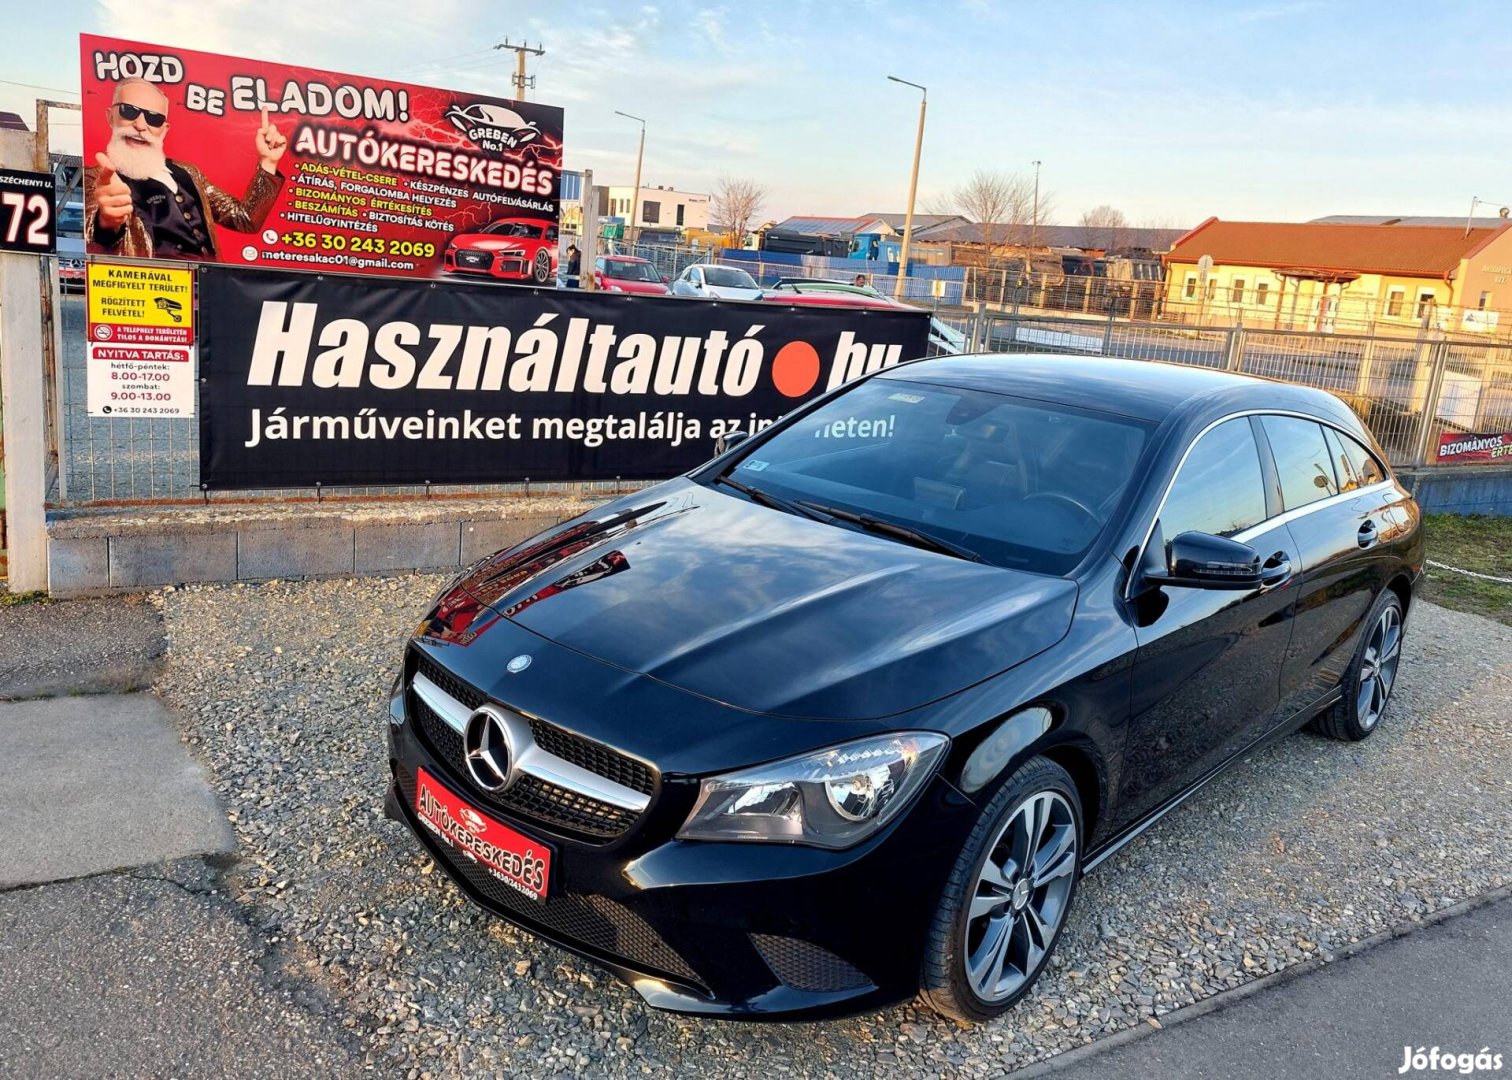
(1144, 389)
(1077, 236)
(828, 226)
(920, 221)
(9, 121)
(1402, 219)
(1411, 251)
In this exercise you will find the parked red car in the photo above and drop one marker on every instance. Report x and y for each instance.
(626, 273)
(513, 249)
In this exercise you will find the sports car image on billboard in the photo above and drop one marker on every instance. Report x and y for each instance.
(512, 249)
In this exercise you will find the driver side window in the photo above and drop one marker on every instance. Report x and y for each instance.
(1220, 489)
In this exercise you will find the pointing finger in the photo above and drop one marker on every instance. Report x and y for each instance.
(264, 116)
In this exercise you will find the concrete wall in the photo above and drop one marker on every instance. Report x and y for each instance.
(130, 551)
(1462, 489)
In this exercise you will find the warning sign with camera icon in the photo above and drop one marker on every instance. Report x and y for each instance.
(141, 340)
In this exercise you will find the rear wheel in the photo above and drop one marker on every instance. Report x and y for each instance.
(1371, 676)
(1007, 898)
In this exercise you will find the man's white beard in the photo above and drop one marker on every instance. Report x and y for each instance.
(138, 160)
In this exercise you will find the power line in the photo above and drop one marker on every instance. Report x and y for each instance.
(34, 86)
(440, 60)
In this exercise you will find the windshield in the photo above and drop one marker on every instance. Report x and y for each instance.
(625, 270)
(728, 277)
(1024, 484)
(513, 228)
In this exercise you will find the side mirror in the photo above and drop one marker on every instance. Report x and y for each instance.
(1202, 561)
(727, 441)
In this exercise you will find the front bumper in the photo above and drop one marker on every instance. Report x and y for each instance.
(753, 931)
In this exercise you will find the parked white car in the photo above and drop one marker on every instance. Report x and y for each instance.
(713, 282)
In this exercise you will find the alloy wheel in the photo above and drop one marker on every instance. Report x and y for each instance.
(1378, 667)
(1021, 896)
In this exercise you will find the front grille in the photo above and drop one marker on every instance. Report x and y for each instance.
(804, 966)
(596, 921)
(474, 260)
(595, 757)
(530, 797)
(547, 802)
(449, 684)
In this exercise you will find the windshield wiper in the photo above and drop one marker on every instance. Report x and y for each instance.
(768, 499)
(901, 532)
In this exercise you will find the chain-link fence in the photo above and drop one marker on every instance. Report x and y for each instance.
(1388, 379)
(1390, 382)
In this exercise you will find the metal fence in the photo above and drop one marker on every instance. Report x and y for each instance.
(1407, 391)
(1389, 380)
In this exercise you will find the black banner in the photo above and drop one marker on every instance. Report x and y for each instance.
(335, 380)
(27, 220)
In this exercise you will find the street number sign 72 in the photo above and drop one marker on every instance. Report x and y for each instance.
(27, 212)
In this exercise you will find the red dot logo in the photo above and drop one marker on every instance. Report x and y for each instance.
(795, 369)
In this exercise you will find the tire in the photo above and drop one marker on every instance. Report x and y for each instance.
(959, 960)
(541, 271)
(1356, 716)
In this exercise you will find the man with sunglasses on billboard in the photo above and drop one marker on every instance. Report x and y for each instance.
(140, 203)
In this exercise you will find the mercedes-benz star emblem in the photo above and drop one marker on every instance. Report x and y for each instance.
(519, 663)
(487, 751)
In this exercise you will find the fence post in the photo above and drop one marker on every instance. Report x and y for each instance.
(1438, 357)
(23, 398)
(1107, 345)
(1233, 357)
(588, 241)
(979, 327)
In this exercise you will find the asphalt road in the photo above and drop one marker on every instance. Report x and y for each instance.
(1448, 986)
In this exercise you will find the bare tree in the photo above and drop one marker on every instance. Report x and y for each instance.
(735, 205)
(1152, 230)
(1001, 204)
(1099, 226)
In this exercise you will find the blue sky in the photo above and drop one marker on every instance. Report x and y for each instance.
(1171, 112)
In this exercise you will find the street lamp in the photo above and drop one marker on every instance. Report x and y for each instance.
(1034, 228)
(913, 187)
(639, 156)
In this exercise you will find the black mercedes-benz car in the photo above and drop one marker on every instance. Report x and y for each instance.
(846, 713)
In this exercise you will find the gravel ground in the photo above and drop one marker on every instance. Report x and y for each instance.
(1302, 849)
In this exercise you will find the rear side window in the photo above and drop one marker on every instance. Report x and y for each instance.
(1220, 489)
(1343, 467)
(1303, 462)
(1366, 468)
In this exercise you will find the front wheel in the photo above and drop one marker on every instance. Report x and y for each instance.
(542, 270)
(1007, 898)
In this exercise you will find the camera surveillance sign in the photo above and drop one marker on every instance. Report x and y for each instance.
(141, 355)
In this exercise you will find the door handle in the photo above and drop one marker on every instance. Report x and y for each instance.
(1367, 534)
(1276, 571)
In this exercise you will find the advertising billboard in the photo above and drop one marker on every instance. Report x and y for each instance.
(337, 380)
(197, 156)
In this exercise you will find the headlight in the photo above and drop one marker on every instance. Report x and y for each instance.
(832, 799)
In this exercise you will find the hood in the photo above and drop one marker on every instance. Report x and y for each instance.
(768, 612)
(647, 288)
(489, 242)
(731, 292)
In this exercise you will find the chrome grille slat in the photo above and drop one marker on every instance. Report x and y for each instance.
(559, 778)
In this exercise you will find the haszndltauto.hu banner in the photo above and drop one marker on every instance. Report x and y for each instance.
(338, 380)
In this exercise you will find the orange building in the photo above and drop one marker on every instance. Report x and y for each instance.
(1328, 277)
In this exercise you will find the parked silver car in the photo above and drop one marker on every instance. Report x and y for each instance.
(713, 282)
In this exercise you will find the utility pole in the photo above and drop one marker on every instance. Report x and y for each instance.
(900, 285)
(521, 80)
(1034, 227)
(640, 156)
